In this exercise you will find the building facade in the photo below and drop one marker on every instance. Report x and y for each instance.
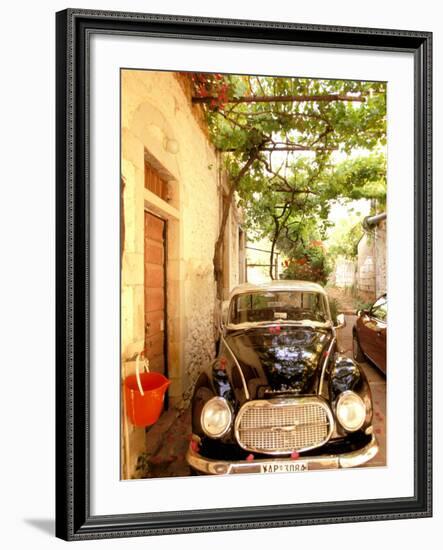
(344, 273)
(371, 258)
(173, 189)
(367, 273)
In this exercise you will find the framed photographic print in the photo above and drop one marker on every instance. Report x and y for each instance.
(238, 205)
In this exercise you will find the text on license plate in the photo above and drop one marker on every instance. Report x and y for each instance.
(284, 467)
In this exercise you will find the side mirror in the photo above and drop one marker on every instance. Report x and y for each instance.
(341, 321)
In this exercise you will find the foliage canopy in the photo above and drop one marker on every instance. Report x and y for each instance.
(293, 146)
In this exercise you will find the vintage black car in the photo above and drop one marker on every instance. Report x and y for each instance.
(279, 397)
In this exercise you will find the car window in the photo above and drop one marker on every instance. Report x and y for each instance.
(282, 305)
(380, 309)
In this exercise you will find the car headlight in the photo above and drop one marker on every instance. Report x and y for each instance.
(216, 417)
(350, 411)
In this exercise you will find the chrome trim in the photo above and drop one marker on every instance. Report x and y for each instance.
(282, 402)
(340, 325)
(228, 427)
(218, 467)
(281, 322)
(325, 362)
(242, 376)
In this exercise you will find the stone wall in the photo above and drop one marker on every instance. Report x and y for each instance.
(344, 273)
(371, 263)
(234, 250)
(380, 244)
(160, 126)
(366, 265)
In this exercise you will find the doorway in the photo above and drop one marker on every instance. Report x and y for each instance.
(155, 293)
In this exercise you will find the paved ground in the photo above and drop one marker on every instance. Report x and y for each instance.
(167, 442)
(168, 439)
(348, 303)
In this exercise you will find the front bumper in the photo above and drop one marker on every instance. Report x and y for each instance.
(326, 461)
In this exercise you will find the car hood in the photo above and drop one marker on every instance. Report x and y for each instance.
(280, 359)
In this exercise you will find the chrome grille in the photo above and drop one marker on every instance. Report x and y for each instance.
(279, 426)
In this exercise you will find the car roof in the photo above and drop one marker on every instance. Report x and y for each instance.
(279, 285)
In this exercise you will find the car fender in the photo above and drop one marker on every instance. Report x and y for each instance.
(347, 375)
(212, 382)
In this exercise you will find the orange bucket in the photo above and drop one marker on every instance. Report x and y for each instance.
(144, 395)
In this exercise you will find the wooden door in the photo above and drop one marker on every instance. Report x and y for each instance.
(155, 292)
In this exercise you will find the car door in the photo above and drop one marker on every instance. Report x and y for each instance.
(372, 337)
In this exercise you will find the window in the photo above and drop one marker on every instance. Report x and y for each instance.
(380, 309)
(293, 305)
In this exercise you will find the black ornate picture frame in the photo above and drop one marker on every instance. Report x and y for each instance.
(74, 30)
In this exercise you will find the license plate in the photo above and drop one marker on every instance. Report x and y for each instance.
(284, 467)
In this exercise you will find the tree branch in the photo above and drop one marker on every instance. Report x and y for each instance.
(296, 191)
(293, 148)
(284, 98)
(217, 260)
(282, 114)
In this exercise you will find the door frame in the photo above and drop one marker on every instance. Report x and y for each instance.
(173, 285)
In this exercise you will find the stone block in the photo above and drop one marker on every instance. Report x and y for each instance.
(132, 273)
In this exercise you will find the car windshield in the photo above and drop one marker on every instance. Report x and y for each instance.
(380, 309)
(293, 305)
